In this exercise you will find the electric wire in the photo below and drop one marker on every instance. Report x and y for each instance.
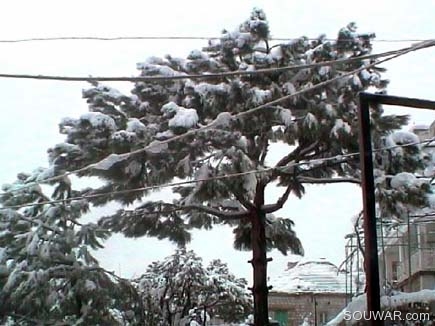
(219, 177)
(236, 116)
(209, 75)
(183, 38)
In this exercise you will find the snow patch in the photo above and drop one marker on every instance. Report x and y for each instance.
(169, 108)
(206, 88)
(2, 255)
(276, 53)
(398, 299)
(157, 70)
(286, 116)
(123, 136)
(99, 120)
(164, 135)
(340, 125)
(223, 120)
(186, 118)
(330, 111)
(365, 75)
(156, 147)
(261, 96)
(134, 125)
(324, 70)
(90, 285)
(404, 137)
(311, 120)
(403, 180)
(431, 200)
(108, 162)
(312, 276)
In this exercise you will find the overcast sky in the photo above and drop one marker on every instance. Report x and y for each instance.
(31, 110)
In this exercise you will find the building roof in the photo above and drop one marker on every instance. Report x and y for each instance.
(310, 276)
(419, 127)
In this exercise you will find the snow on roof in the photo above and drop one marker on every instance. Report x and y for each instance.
(398, 299)
(419, 127)
(310, 276)
(404, 137)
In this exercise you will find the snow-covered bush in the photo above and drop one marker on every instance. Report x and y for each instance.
(180, 287)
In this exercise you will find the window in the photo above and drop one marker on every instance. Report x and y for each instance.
(413, 238)
(430, 236)
(323, 318)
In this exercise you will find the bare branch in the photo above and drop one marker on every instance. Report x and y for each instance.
(279, 203)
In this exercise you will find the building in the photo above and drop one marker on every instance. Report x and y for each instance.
(309, 292)
(407, 256)
(407, 260)
(406, 250)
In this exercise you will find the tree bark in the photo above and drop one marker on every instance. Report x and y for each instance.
(259, 261)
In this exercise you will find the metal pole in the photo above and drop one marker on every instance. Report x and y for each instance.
(358, 277)
(351, 267)
(384, 261)
(347, 270)
(409, 253)
(369, 208)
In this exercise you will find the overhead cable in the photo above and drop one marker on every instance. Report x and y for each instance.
(179, 75)
(236, 116)
(219, 177)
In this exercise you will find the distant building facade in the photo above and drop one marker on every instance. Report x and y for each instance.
(407, 262)
(308, 292)
(410, 255)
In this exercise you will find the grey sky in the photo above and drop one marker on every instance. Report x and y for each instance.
(32, 109)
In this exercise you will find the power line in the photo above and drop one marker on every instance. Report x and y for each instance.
(207, 76)
(236, 116)
(181, 38)
(219, 177)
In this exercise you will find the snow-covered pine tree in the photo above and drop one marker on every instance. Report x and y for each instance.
(320, 123)
(181, 288)
(47, 272)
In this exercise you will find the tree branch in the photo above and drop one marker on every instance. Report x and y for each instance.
(297, 154)
(245, 203)
(221, 214)
(39, 223)
(327, 163)
(225, 215)
(279, 203)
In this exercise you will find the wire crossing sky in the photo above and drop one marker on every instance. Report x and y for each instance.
(416, 47)
(219, 177)
(421, 45)
(174, 37)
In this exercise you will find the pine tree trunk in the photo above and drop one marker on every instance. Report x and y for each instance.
(259, 264)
